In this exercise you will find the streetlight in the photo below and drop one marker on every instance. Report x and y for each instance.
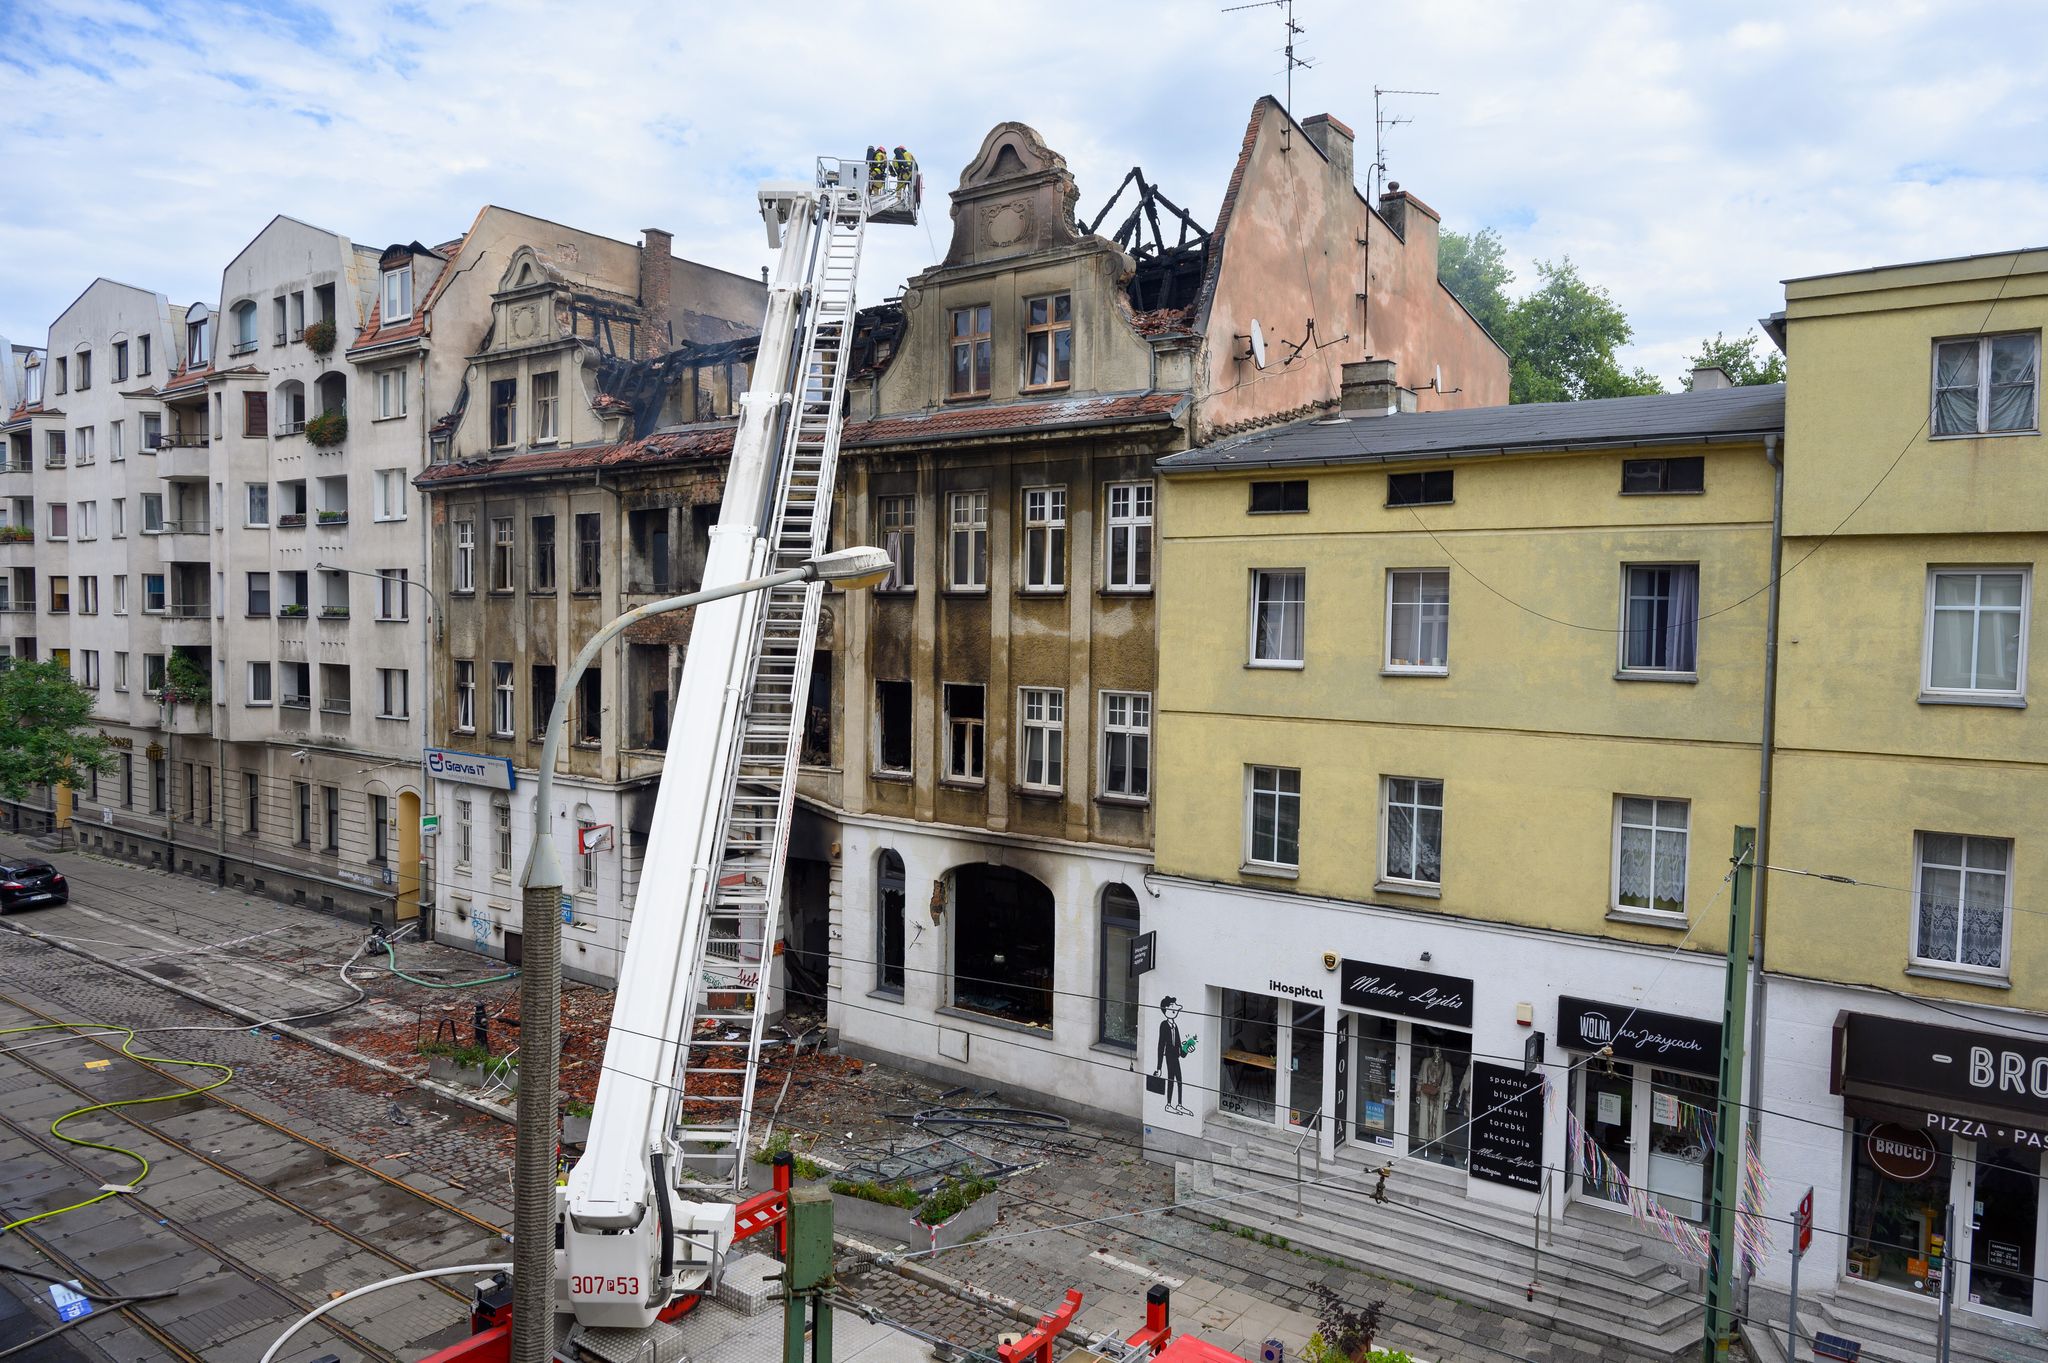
(540, 980)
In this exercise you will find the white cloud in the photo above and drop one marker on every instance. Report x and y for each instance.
(1687, 158)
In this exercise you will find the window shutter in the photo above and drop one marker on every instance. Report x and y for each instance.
(255, 414)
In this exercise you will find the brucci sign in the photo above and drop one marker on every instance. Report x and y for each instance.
(470, 768)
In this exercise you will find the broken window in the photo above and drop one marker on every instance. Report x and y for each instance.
(1049, 341)
(817, 749)
(964, 716)
(653, 568)
(889, 922)
(546, 388)
(971, 352)
(897, 519)
(1002, 944)
(544, 554)
(543, 698)
(589, 536)
(590, 706)
(501, 554)
(504, 412)
(647, 674)
(892, 726)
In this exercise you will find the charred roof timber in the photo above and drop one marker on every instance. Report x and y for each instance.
(1167, 276)
(644, 384)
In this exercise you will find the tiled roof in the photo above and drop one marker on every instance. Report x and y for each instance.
(1712, 415)
(185, 378)
(663, 447)
(1164, 322)
(609, 405)
(374, 333)
(1014, 418)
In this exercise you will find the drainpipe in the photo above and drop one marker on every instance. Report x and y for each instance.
(427, 896)
(1766, 756)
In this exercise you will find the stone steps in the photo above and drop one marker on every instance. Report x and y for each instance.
(1903, 1332)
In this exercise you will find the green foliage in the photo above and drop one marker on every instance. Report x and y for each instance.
(1475, 268)
(470, 1056)
(952, 1197)
(185, 681)
(1316, 1351)
(17, 534)
(1738, 358)
(328, 428)
(1345, 1332)
(320, 337)
(576, 1107)
(1560, 337)
(888, 1194)
(799, 1165)
(45, 736)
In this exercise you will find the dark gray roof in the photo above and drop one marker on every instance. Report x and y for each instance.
(1715, 416)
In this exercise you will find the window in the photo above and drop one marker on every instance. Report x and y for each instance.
(82, 446)
(1985, 384)
(54, 456)
(501, 824)
(196, 350)
(152, 431)
(380, 829)
(465, 556)
(142, 354)
(543, 698)
(1660, 617)
(63, 371)
(896, 517)
(589, 536)
(1419, 489)
(387, 495)
(304, 794)
(1049, 341)
(464, 828)
(546, 388)
(120, 671)
(152, 673)
(1273, 817)
(964, 713)
(501, 699)
(970, 542)
(1129, 546)
(83, 371)
(1418, 620)
(153, 597)
(1045, 539)
(1278, 606)
(889, 923)
(1964, 890)
(971, 352)
(892, 727)
(120, 362)
(255, 414)
(392, 603)
(1976, 633)
(257, 496)
(298, 685)
(397, 294)
(586, 862)
(252, 803)
(259, 594)
(1288, 495)
(331, 806)
(504, 412)
(390, 394)
(88, 520)
(543, 554)
(1115, 987)
(1043, 712)
(117, 442)
(501, 554)
(337, 694)
(1640, 477)
(152, 513)
(60, 521)
(1127, 745)
(89, 668)
(245, 328)
(1414, 831)
(1003, 940)
(394, 693)
(120, 518)
(590, 707)
(259, 691)
(465, 697)
(1649, 854)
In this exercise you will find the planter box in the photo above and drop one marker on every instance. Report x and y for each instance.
(877, 1221)
(448, 1072)
(575, 1130)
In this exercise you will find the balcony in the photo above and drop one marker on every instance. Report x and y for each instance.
(183, 461)
(181, 440)
(188, 623)
(291, 610)
(188, 717)
(184, 540)
(16, 608)
(21, 539)
(295, 702)
(285, 428)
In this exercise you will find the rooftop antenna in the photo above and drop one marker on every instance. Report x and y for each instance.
(1381, 121)
(1294, 30)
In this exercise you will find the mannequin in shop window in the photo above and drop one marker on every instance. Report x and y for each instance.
(1440, 1088)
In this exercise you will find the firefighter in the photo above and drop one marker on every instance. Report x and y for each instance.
(878, 169)
(904, 165)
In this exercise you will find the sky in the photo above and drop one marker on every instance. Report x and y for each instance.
(1687, 157)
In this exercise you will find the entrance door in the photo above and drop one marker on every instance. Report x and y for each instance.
(515, 948)
(2004, 1230)
(1305, 1066)
(408, 856)
(1608, 1116)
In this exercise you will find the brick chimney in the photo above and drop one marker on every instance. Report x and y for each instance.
(655, 277)
(1369, 389)
(1336, 142)
(1414, 222)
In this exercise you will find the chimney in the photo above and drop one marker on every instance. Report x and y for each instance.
(1710, 376)
(655, 278)
(1335, 141)
(1415, 223)
(1369, 389)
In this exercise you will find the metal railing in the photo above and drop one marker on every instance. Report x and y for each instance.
(194, 525)
(191, 610)
(292, 427)
(334, 707)
(291, 520)
(1313, 1127)
(55, 461)
(183, 440)
(292, 702)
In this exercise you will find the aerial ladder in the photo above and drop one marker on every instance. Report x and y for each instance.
(642, 1221)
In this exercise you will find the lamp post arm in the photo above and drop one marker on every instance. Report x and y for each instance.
(543, 869)
(433, 600)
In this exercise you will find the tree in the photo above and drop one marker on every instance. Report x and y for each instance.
(1562, 338)
(45, 734)
(1475, 269)
(1738, 359)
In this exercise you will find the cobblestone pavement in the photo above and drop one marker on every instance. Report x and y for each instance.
(265, 956)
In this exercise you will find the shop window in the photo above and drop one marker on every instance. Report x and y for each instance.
(1440, 1096)
(2003, 1247)
(1116, 987)
(1251, 1048)
(1002, 944)
(1305, 1065)
(1682, 1113)
(1898, 1201)
(1374, 1059)
(889, 935)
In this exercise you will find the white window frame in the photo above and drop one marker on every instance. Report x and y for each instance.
(1042, 738)
(1659, 804)
(896, 524)
(1127, 722)
(2019, 691)
(1258, 787)
(397, 295)
(392, 585)
(386, 693)
(388, 495)
(967, 522)
(1260, 596)
(504, 699)
(465, 832)
(1984, 429)
(120, 593)
(465, 556)
(1920, 866)
(954, 735)
(1045, 539)
(501, 832)
(1388, 661)
(504, 542)
(252, 672)
(120, 530)
(120, 671)
(88, 527)
(89, 668)
(465, 695)
(255, 505)
(390, 394)
(1387, 806)
(546, 407)
(117, 444)
(1136, 520)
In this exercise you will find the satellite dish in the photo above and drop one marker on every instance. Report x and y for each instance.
(1258, 345)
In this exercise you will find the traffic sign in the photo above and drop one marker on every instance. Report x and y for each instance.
(1802, 1221)
(430, 824)
(70, 1305)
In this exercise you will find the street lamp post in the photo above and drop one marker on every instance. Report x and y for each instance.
(540, 979)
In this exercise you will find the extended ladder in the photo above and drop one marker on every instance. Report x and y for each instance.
(727, 1013)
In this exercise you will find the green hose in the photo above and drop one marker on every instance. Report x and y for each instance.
(432, 984)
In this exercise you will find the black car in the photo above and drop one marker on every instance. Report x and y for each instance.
(29, 883)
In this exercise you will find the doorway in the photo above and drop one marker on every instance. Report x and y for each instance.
(515, 949)
(2002, 1198)
(408, 856)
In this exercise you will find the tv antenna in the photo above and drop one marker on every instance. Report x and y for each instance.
(1381, 121)
(1294, 30)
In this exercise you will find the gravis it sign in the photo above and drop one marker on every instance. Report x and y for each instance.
(470, 768)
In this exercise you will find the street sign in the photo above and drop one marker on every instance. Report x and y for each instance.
(568, 912)
(1532, 1053)
(1802, 1221)
(1144, 953)
(595, 837)
(70, 1305)
(430, 824)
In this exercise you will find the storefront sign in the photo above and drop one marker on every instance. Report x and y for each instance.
(1979, 1070)
(470, 768)
(1507, 1126)
(1441, 999)
(1900, 1153)
(1676, 1043)
(1144, 953)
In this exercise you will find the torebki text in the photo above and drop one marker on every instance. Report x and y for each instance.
(1972, 1129)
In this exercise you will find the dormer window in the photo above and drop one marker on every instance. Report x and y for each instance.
(196, 348)
(1049, 341)
(970, 352)
(398, 293)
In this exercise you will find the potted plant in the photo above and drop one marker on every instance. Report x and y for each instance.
(292, 609)
(470, 1064)
(1345, 1333)
(329, 428)
(948, 1214)
(334, 612)
(334, 518)
(320, 336)
(575, 1121)
(185, 682)
(17, 534)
